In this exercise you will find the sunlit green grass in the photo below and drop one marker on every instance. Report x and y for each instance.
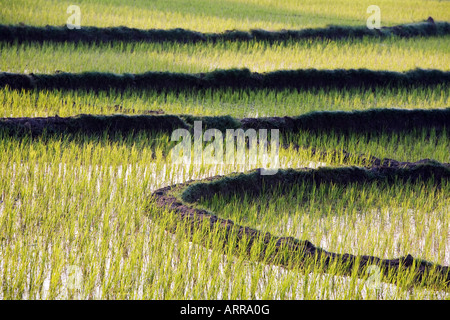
(84, 202)
(216, 16)
(401, 146)
(388, 54)
(387, 220)
(238, 104)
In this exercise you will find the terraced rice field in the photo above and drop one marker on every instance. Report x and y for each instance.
(93, 205)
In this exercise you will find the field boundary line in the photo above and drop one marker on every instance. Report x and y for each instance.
(91, 34)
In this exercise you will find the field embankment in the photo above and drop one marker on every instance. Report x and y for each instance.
(24, 33)
(372, 121)
(222, 79)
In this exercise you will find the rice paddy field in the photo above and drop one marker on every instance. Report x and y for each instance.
(93, 206)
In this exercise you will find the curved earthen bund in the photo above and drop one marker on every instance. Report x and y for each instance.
(179, 200)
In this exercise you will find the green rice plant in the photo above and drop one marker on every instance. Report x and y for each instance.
(217, 16)
(311, 198)
(76, 217)
(236, 103)
(322, 214)
(402, 147)
(84, 202)
(259, 56)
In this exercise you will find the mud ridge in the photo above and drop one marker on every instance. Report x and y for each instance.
(365, 121)
(372, 121)
(237, 79)
(89, 125)
(179, 201)
(24, 33)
